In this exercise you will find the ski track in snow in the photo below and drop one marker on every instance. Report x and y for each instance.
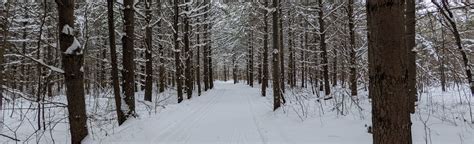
(225, 114)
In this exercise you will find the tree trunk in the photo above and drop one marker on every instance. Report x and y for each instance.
(281, 50)
(205, 51)
(148, 55)
(251, 67)
(113, 56)
(324, 54)
(265, 51)
(275, 56)
(162, 70)
(177, 54)
(410, 23)
(353, 52)
(388, 65)
(72, 60)
(187, 53)
(3, 46)
(198, 62)
(128, 59)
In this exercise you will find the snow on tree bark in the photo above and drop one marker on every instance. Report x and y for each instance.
(72, 61)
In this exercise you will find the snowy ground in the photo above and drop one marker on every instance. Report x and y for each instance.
(238, 114)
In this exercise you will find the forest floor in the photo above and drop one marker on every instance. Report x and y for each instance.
(238, 114)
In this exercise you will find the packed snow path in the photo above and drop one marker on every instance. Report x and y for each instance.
(222, 115)
(234, 114)
(237, 114)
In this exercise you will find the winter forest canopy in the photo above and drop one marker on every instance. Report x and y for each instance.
(237, 71)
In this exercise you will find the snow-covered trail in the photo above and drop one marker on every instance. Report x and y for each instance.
(226, 114)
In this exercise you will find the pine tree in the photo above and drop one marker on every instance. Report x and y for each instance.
(72, 60)
(388, 64)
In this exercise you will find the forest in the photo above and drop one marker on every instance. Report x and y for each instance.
(237, 71)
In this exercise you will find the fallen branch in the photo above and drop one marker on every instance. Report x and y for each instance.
(12, 138)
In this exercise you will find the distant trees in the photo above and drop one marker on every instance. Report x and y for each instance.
(452, 26)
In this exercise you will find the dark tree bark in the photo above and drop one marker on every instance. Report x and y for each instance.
(265, 51)
(353, 52)
(113, 56)
(275, 59)
(198, 59)
(177, 53)
(234, 70)
(205, 51)
(72, 60)
(410, 23)
(187, 53)
(291, 55)
(251, 63)
(148, 54)
(324, 54)
(281, 50)
(442, 67)
(304, 45)
(3, 46)
(128, 59)
(162, 70)
(388, 66)
(209, 50)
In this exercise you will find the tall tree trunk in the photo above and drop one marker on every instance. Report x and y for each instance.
(304, 45)
(148, 55)
(281, 50)
(72, 60)
(442, 67)
(251, 67)
(353, 52)
(265, 51)
(209, 49)
(198, 59)
(234, 70)
(162, 70)
(3, 46)
(177, 54)
(324, 54)
(291, 63)
(113, 56)
(187, 53)
(205, 50)
(410, 23)
(388, 65)
(275, 56)
(128, 59)
(334, 69)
